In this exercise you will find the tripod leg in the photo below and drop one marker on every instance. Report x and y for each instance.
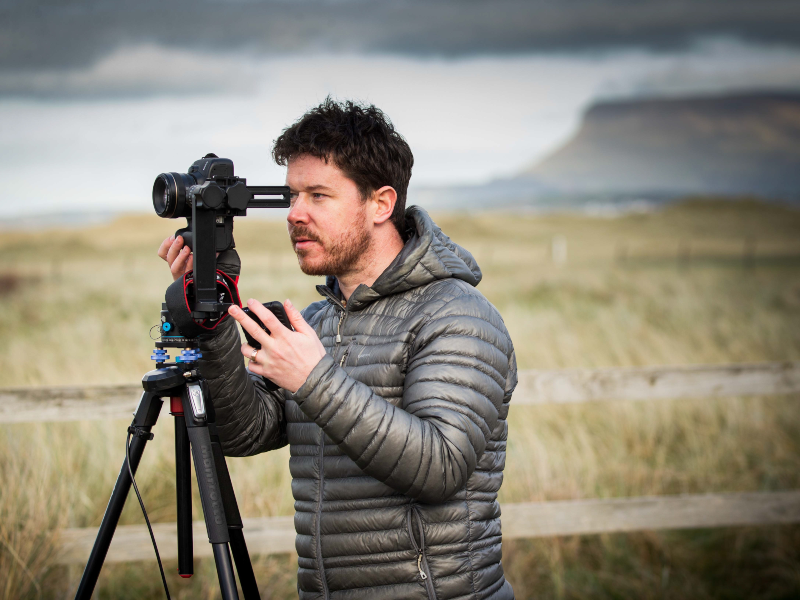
(244, 567)
(213, 511)
(194, 410)
(227, 583)
(183, 489)
(247, 578)
(145, 417)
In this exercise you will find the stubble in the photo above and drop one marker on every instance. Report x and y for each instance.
(341, 256)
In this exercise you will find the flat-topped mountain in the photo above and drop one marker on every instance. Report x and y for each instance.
(733, 144)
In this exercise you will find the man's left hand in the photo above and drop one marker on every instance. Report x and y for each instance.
(286, 357)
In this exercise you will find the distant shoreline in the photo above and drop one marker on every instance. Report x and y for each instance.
(589, 206)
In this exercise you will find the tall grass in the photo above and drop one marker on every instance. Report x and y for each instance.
(80, 303)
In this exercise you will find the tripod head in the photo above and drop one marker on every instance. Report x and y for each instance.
(173, 337)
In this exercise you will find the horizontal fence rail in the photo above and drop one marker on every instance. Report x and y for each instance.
(656, 383)
(275, 535)
(77, 403)
(525, 520)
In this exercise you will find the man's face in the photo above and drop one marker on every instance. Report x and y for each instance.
(328, 219)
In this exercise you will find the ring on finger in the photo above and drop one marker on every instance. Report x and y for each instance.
(253, 354)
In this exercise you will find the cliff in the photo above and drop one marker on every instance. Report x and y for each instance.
(730, 145)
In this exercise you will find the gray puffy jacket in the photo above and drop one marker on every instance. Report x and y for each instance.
(397, 437)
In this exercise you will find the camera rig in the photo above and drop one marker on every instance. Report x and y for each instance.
(209, 196)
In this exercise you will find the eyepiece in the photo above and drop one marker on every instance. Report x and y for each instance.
(169, 195)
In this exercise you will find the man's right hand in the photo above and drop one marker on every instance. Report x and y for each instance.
(178, 257)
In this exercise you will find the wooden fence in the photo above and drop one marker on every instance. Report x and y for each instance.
(522, 520)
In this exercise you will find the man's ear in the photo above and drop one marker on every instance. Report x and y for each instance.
(384, 200)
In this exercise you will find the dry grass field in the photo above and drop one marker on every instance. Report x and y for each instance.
(699, 282)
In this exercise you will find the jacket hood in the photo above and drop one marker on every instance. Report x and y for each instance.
(427, 256)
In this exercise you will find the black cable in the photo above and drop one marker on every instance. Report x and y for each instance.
(144, 512)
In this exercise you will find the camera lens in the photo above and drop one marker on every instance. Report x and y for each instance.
(169, 195)
(161, 197)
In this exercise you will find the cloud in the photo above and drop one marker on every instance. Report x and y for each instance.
(467, 121)
(138, 71)
(46, 46)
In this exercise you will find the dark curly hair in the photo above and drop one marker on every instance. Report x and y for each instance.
(360, 140)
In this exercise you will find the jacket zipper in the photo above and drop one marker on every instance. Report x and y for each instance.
(320, 564)
(338, 339)
(344, 356)
(422, 558)
(342, 315)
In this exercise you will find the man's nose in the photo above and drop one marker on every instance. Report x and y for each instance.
(298, 213)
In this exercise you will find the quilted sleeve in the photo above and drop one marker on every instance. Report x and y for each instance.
(460, 377)
(250, 419)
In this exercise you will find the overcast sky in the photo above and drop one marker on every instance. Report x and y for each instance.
(96, 98)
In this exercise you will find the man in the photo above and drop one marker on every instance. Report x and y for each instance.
(395, 386)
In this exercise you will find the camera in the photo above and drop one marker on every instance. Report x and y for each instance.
(209, 196)
(209, 187)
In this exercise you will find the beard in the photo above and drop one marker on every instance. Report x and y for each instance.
(340, 256)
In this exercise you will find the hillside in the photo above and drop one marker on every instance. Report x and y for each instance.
(744, 144)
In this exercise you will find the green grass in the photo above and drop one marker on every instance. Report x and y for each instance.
(681, 286)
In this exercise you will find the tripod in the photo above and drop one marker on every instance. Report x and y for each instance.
(195, 436)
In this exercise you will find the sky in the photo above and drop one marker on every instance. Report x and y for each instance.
(98, 97)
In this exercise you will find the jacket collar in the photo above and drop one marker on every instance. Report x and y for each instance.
(428, 255)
